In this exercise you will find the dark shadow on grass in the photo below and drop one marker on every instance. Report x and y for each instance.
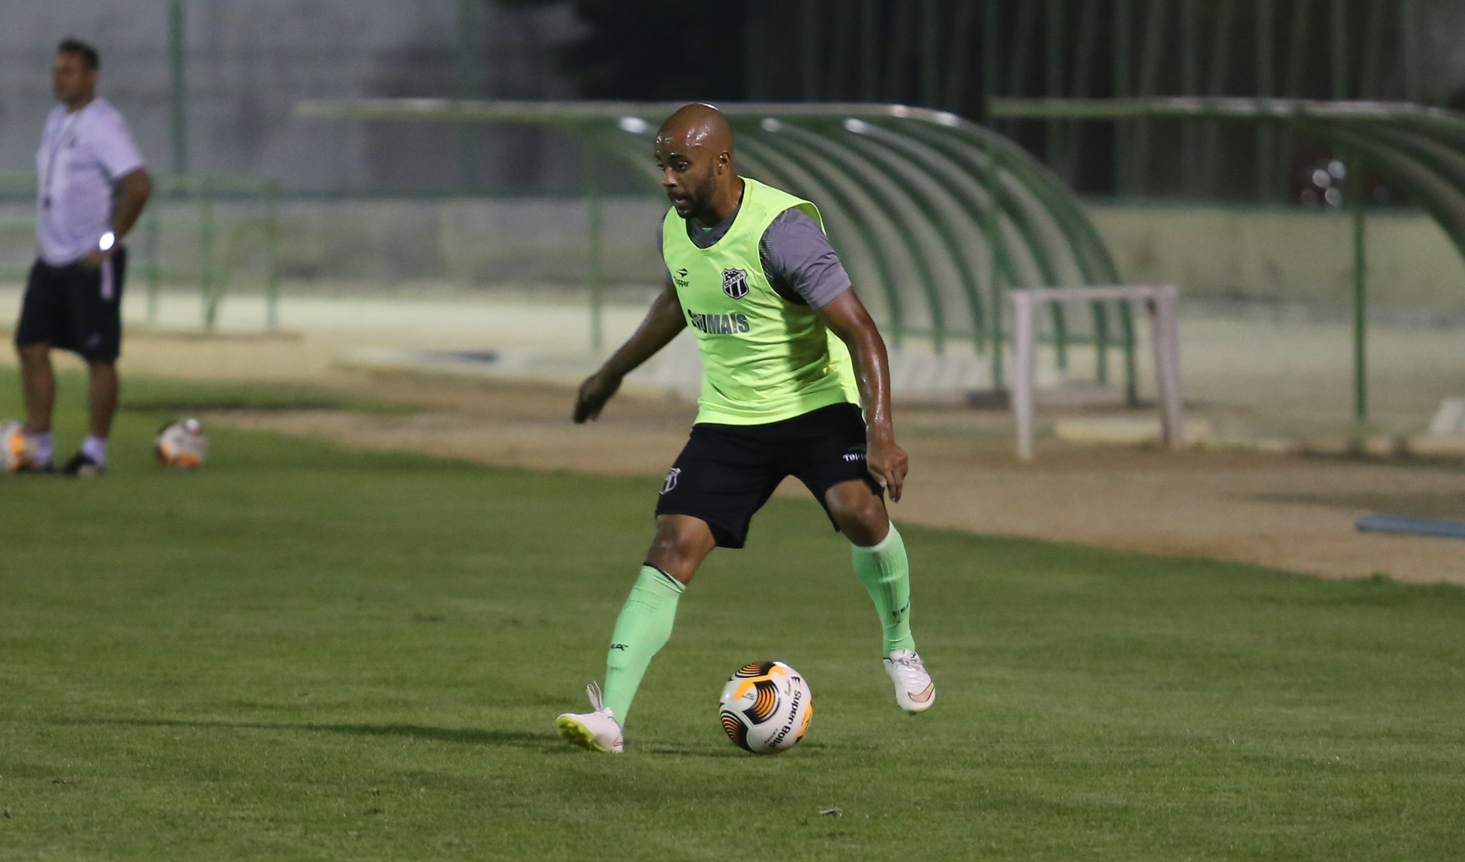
(718, 752)
(458, 736)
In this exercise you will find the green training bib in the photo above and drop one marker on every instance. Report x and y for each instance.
(764, 359)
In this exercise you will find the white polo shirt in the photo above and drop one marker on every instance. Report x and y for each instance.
(82, 156)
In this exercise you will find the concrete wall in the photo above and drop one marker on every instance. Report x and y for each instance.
(1277, 258)
(468, 242)
(1269, 257)
(1286, 257)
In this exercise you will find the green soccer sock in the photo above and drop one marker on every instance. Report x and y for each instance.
(642, 629)
(886, 574)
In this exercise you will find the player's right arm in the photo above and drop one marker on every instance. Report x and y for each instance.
(136, 187)
(663, 322)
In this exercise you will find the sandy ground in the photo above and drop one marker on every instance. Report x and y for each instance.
(1285, 511)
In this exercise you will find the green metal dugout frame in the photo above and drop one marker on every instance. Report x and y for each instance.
(1420, 150)
(938, 215)
(221, 243)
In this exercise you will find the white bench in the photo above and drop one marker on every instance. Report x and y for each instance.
(1161, 303)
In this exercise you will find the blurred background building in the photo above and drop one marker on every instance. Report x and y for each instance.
(209, 90)
(209, 86)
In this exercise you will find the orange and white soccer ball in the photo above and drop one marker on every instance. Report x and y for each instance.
(766, 707)
(16, 448)
(181, 445)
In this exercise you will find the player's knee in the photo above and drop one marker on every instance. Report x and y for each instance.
(862, 519)
(32, 352)
(678, 549)
(673, 547)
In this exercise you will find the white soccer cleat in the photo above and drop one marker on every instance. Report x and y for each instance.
(597, 730)
(914, 690)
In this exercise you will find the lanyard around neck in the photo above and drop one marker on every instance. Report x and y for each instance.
(67, 126)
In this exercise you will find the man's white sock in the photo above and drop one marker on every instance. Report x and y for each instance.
(95, 448)
(42, 442)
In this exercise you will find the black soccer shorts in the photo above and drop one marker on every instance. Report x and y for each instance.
(727, 472)
(75, 308)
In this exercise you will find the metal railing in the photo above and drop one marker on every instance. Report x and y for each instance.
(193, 203)
(1418, 149)
(939, 216)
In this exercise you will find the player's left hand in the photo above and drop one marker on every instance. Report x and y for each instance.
(888, 463)
(592, 395)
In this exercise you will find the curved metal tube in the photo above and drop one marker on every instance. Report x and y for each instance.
(909, 195)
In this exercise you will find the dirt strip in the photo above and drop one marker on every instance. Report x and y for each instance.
(1287, 512)
(1284, 511)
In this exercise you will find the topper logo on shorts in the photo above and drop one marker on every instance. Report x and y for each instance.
(735, 283)
(671, 480)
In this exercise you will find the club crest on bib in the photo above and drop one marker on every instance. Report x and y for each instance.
(735, 283)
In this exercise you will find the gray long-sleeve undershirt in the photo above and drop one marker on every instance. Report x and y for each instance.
(797, 258)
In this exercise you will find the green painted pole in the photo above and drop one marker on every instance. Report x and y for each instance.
(209, 289)
(150, 253)
(179, 102)
(1360, 290)
(991, 232)
(272, 256)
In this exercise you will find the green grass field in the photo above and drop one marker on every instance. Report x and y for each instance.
(300, 652)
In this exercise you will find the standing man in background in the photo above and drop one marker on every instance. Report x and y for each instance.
(91, 187)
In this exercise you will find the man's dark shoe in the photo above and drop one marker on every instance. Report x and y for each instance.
(81, 466)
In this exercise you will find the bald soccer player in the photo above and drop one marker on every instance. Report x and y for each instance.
(789, 355)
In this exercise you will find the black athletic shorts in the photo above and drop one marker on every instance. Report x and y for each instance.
(727, 472)
(75, 308)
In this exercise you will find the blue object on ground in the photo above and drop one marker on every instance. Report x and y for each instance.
(484, 356)
(1411, 526)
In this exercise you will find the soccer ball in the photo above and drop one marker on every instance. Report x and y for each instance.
(181, 445)
(766, 707)
(16, 449)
